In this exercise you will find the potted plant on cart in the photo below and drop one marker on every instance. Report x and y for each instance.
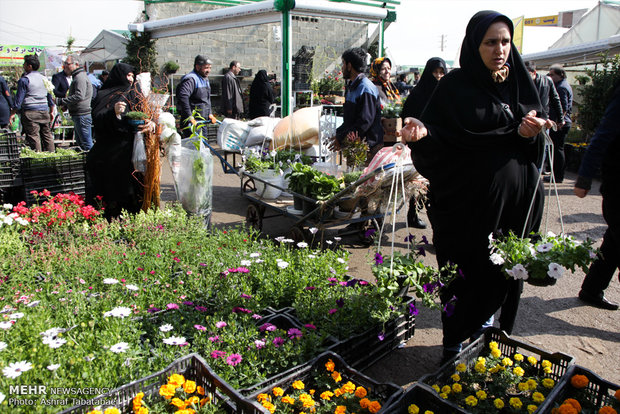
(299, 182)
(391, 121)
(268, 173)
(322, 188)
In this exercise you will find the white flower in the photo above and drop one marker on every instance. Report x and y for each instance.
(119, 347)
(341, 260)
(329, 241)
(246, 263)
(592, 255)
(21, 221)
(302, 245)
(16, 315)
(313, 230)
(259, 260)
(56, 343)
(166, 328)
(118, 312)
(337, 238)
(33, 303)
(175, 340)
(132, 287)
(110, 281)
(550, 234)
(52, 332)
(288, 241)
(2, 397)
(53, 367)
(496, 258)
(555, 270)
(254, 255)
(543, 248)
(15, 369)
(518, 272)
(7, 206)
(491, 240)
(282, 264)
(279, 239)
(6, 325)
(311, 256)
(3, 345)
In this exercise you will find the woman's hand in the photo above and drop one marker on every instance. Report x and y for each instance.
(414, 130)
(119, 108)
(149, 126)
(531, 126)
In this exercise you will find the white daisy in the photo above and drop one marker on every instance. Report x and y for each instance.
(21, 221)
(132, 287)
(341, 260)
(3, 345)
(259, 260)
(53, 367)
(175, 340)
(166, 328)
(119, 347)
(254, 255)
(496, 258)
(518, 272)
(543, 248)
(279, 239)
(329, 242)
(282, 264)
(118, 312)
(33, 303)
(288, 241)
(109, 281)
(56, 343)
(302, 245)
(337, 238)
(7, 206)
(311, 256)
(6, 325)
(2, 397)
(246, 263)
(52, 332)
(15, 369)
(16, 315)
(556, 271)
(313, 230)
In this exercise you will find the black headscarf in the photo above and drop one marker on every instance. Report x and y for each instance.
(261, 95)
(114, 87)
(118, 76)
(419, 96)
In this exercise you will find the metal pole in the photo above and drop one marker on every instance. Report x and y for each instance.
(287, 51)
(381, 30)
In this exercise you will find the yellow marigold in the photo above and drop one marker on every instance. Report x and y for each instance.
(518, 357)
(360, 392)
(176, 379)
(548, 383)
(186, 411)
(311, 392)
(200, 390)
(298, 385)
(436, 388)
(306, 400)
(111, 410)
(456, 377)
(349, 387)
(205, 400)
(338, 392)
(167, 391)
(507, 362)
(573, 402)
(532, 360)
(428, 412)
(496, 353)
(446, 389)
(326, 395)
(287, 399)
(262, 397)
(607, 410)
(567, 409)
(482, 360)
(443, 395)
(471, 401)
(493, 345)
(545, 364)
(456, 387)
(461, 367)
(522, 386)
(341, 409)
(481, 395)
(518, 371)
(193, 400)
(189, 386)
(498, 403)
(374, 407)
(496, 369)
(141, 410)
(531, 408)
(413, 409)
(480, 367)
(515, 403)
(364, 402)
(277, 391)
(179, 403)
(579, 381)
(538, 397)
(532, 384)
(269, 406)
(547, 370)
(329, 365)
(137, 401)
(336, 376)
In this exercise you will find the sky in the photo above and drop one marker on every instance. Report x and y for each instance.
(412, 40)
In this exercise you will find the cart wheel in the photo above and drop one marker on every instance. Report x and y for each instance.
(249, 185)
(297, 234)
(254, 217)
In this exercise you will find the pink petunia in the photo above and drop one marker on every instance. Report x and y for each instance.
(233, 359)
(200, 327)
(278, 341)
(172, 306)
(220, 324)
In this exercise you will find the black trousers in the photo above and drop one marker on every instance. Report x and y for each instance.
(559, 158)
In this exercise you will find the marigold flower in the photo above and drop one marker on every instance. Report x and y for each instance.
(446, 389)
(522, 386)
(436, 388)
(617, 394)
(341, 409)
(179, 403)
(326, 395)
(360, 392)
(456, 387)
(518, 357)
(111, 410)
(374, 407)
(338, 392)
(573, 402)
(461, 367)
(278, 392)
(548, 383)
(538, 397)
(413, 409)
(443, 395)
(141, 410)
(531, 408)
(336, 376)
(364, 402)
(545, 364)
(518, 371)
(349, 387)
(607, 410)
(298, 385)
(498, 403)
(262, 397)
(480, 367)
(532, 360)
(269, 406)
(493, 345)
(287, 399)
(189, 386)
(167, 391)
(455, 377)
(496, 353)
(329, 365)
(200, 390)
(205, 400)
(579, 381)
(481, 395)
(471, 401)
(177, 380)
(515, 403)
(507, 362)
(567, 409)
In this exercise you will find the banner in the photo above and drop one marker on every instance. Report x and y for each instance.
(13, 55)
(542, 21)
(518, 33)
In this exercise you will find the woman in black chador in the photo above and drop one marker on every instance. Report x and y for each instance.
(478, 142)
(261, 95)
(108, 162)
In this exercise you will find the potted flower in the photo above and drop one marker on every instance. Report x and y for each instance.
(171, 67)
(268, 173)
(136, 118)
(391, 121)
(322, 187)
(540, 260)
(299, 182)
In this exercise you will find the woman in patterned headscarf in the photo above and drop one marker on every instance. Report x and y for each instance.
(380, 76)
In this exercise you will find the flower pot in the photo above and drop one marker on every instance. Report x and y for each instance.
(298, 203)
(546, 281)
(135, 123)
(267, 191)
(347, 203)
(391, 125)
(308, 207)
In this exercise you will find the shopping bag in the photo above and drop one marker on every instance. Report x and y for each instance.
(194, 183)
(138, 156)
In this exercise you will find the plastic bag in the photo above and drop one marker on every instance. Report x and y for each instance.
(194, 183)
(231, 135)
(138, 157)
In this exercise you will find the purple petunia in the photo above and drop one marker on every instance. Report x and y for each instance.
(450, 306)
(369, 232)
(294, 333)
(153, 310)
(381, 336)
(310, 326)
(201, 309)
(267, 327)
(421, 251)
(412, 309)
(424, 240)
(409, 238)
(429, 287)
(378, 259)
(340, 302)
(332, 311)
(245, 296)
(278, 341)
(233, 359)
(310, 288)
(188, 303)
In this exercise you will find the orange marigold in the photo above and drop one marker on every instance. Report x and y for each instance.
(287, 399)
(179, 403)
(364, 403)
(205, 400)
(349, 387)
(341, 409)
(329, 365)
(278, 392)
(567, 409)
(617, 394)
(579, 381)
(573, 402)
(176, 380)
(374, 407)
(200, 390)
(336, 376)
(607, 410)
(167, 391)
(361, 392)
(189, 386)
(193, 400)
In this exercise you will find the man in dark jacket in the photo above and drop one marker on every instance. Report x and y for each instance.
(603, 151)
(78, 103)
(232, 102)
(194, 93)
(548, 95)
(558, 75)
(362, 107)
(61, 81)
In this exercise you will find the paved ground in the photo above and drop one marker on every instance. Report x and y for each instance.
(551, 318)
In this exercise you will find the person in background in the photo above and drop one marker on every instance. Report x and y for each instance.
(194, 93)
(261, 95)
(403, 87)
(96, 83)
(413, 107)
(558, 75)
(477, 143)
(104, 76)
(108, 162)
(78, 103)
(416, 77)
(546, 92)
(232, 101)
(380, 75)
(603, 151)
(36, 106)
(61, 81)
(6, 103)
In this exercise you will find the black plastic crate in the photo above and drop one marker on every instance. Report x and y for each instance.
(9, 149)
(387, 392)
(426, 399)
(9, 173)
(598, 392)
(192, 367)
(58, 168)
